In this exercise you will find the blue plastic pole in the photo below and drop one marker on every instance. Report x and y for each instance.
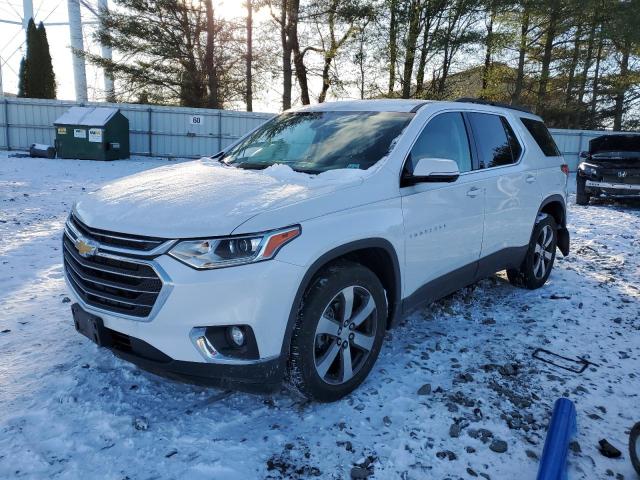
(553, 464)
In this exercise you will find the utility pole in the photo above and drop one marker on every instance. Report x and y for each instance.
(27, 9)
(77, 45)
(109, 90)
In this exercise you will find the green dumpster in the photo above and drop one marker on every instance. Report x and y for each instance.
(92, 133)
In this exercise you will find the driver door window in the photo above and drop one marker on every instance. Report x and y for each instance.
(445, 136)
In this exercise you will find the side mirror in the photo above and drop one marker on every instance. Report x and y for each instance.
(584, 154)
(433, 170)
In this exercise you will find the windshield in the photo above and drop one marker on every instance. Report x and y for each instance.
(314, 142)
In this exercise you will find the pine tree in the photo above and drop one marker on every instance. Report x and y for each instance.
(37, 79)
(45, 65)
(22, 79)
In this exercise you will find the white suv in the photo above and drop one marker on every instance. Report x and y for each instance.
(289, 254)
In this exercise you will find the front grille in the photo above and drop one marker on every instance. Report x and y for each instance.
(115, 284)
(630, 179)
(120, 240)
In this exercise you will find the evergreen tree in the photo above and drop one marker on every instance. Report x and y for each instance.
(37, 79)
(22, 78)
(45, 66)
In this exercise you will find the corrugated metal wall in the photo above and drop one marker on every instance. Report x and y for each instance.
(154, 130)
(173, 131)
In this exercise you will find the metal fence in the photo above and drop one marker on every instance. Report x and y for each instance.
(153, 130)
(180, 131)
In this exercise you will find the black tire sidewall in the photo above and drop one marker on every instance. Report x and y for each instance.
(529, 279)
(634, 438)
(302, 373)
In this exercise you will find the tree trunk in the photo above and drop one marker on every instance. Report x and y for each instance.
(325, 79)
(424, 52)
(621, 87)
(547, 55)
(393, 46)
(524, 31)
(298, 57)
(212, 71)
(573, 65)
(287, 72)
(588, 59)
(445, 65)
(489, 47)
(410, 51)
(596, 81)
(249, 59)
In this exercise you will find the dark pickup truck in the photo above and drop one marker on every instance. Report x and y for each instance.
(611, 168)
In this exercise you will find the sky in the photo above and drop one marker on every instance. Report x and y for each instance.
(12, 40)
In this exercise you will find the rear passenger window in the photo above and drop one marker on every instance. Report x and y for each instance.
(497, 145)
(445, 136)
(541, 135)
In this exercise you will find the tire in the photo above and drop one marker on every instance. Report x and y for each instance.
(538, 262)
(319, 361)
(582, 197)
(634, 447)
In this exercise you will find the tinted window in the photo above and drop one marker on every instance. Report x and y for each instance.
(315, 142)
(445, 136)
(541, 135)
(491, 138)
(516, 148)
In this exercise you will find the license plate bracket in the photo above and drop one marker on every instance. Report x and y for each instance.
(90, 326)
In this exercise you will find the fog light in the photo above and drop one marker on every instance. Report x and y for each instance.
(236, 335)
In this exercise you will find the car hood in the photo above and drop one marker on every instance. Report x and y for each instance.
(615, 144)
(204, 198)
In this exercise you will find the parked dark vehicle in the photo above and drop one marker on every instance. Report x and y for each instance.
(611, 168)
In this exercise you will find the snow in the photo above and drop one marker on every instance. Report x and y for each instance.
(177, 200)
(69, 410)
(88, 116)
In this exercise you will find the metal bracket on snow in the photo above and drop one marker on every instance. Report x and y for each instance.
(565, 363)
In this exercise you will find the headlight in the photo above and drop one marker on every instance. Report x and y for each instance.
(224, 252)
(588, 170)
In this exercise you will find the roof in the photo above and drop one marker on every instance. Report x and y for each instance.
(382, 105)
(89, 116)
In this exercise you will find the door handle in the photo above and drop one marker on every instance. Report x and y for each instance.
(530, 178)
(473, 192)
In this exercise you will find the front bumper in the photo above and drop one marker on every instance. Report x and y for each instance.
(259, 295)
(613, 188)
(258, 376)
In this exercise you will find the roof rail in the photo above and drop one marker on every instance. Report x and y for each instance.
(480, 101)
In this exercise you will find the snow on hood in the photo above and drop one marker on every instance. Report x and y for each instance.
(203, 198)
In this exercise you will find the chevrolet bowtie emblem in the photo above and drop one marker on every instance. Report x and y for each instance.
(85, 248)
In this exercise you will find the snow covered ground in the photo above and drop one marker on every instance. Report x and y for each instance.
(454, 385)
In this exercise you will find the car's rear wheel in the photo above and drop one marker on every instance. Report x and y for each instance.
(338, 333)
(541, 254)
(634, 447)
(582, 197)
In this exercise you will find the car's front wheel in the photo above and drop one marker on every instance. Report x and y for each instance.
(338, 333)
(537, 265)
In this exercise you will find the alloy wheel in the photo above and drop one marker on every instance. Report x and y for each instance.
(345, 335)
(543, 252)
